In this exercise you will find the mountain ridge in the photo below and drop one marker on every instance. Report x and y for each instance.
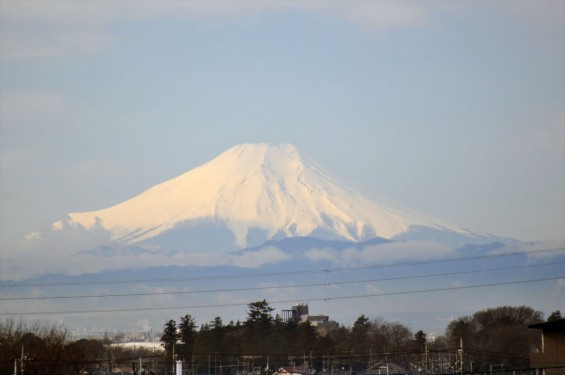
(249, 194)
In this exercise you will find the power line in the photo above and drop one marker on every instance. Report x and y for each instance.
(324, 299)
(282, 273)
(278, 286)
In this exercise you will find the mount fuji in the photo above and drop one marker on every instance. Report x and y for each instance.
(249, 194)
(260, 221)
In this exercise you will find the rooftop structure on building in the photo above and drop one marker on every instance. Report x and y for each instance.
(299, 313)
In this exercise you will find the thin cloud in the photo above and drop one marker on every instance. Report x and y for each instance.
(383, 253)
(62, 29)
(383, 15)
(55, 29)
(371, 289)
(65, 259)
(257, 258)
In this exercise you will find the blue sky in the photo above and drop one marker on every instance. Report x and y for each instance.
(456, 109)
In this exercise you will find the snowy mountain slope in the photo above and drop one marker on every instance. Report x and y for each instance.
(249, 189)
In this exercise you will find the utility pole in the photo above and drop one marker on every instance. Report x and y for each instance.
(460, 355)
(426, 359)
(23, 359)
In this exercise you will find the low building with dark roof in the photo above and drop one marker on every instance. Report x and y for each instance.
(549, 357)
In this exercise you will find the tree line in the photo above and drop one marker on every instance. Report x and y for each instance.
(264, 341)
(471, 343)
(41, 348)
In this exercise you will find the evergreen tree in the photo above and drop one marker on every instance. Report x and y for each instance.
(420, 339)
(259, 313)
(359, 334)
(187, 336)
(204, 342)
(306, 338)
(187, 330)
(218, 332)
(258, 328)
(556, 315)
(170, 336)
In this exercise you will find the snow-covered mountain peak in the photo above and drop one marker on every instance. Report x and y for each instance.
(249, 188)
(244, 160)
